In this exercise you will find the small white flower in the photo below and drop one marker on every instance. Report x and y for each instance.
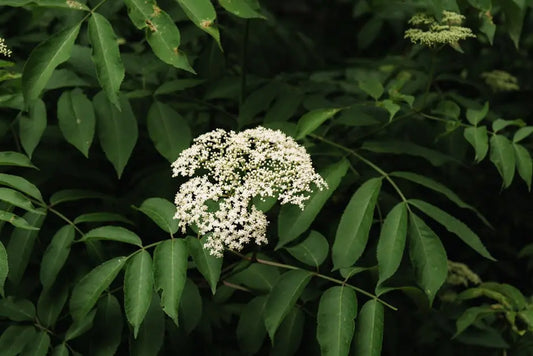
(234, 168)
(446, 31)
(4, 49)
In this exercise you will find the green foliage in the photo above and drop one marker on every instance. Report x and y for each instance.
(426, 153)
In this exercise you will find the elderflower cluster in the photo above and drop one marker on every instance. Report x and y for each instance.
(446, 31)
(233, 169)
(461, 274)
(4, 49)
(499, 80)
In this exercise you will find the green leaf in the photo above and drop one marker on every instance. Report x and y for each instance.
(337, 310)
(107, 332)
(453, 225)
(487, 26)
(397, 147)
(522, 133)
(241, 8)
(168, 130)
(251, 330)
(21, 244)
(516, 298)
(470, 315)
(80, 326)
(21, 184)
(15, 159)
(293, 221)
(514, 19)
(282, 298)
(439, 188)
(500, 124)
(503, 157)
(173, 86)
(372, 86)
(117, 130)
(475, 116)
(17, 199)
(354, 226)
(44, 59)
(428, 257)
(312, 251)
(101, 216)
(14, 338)
(151, 333)
(190, 308)
(170, 269)
(31, 128)
(112, 233)
(4, 267)
(68, 195)
(51, 303)
(257, 276)
(289, 335)
(138, 287)
(17, 310)
(310, 121)
(75, 115)
(106, 56)
(481, 4)
(38, 346)
(56, 255)
(88, 289)
(209, 266)
(523, 164)
(391, 107)
(16, 221)
(391, 242)
(369, 330)
(203, 15)
(60, 350)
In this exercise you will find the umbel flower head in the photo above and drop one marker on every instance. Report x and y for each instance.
(227, 171)
(499, 80)
(3, 48)
(432, 32)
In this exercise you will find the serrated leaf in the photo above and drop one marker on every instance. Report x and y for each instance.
(293, 221)
(170, 269)
(503, 157)
(151, 333)
(352, 233)
(251, 330)
(21, 244)
(453, 225)
(369, 329)
(312, 251)
(31, 127)
(44, 59)
(524, 165)
(38, 346)
(80, 326)
(102, 216)
(475, 116)
(337, 310)
(203, 15)
(51, 303)
(75, 115)
(17, 310)
(209, 266)
(68, 195)
(112, 233)
(138, 287)
(439, 188)
(241, 8)
(282, 298)
(22, 185)
(8, 158)
(107, 331)
(4, 267)
(372, 86)
(289, 335)
(88, 289)
(168, 130)
(469, 316)
(106, 56)
(428, 257)
(117, 130)
(391, 242)
(310, 121)
(56, 255)
(14, 338)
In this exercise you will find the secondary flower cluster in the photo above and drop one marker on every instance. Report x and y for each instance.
(499, 80)
(3, 48)
(446, 31)
(233, 169)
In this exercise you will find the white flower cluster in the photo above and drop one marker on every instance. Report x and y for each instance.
(499, 80)
(233, 168)
(3, 48)
(446, 31)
